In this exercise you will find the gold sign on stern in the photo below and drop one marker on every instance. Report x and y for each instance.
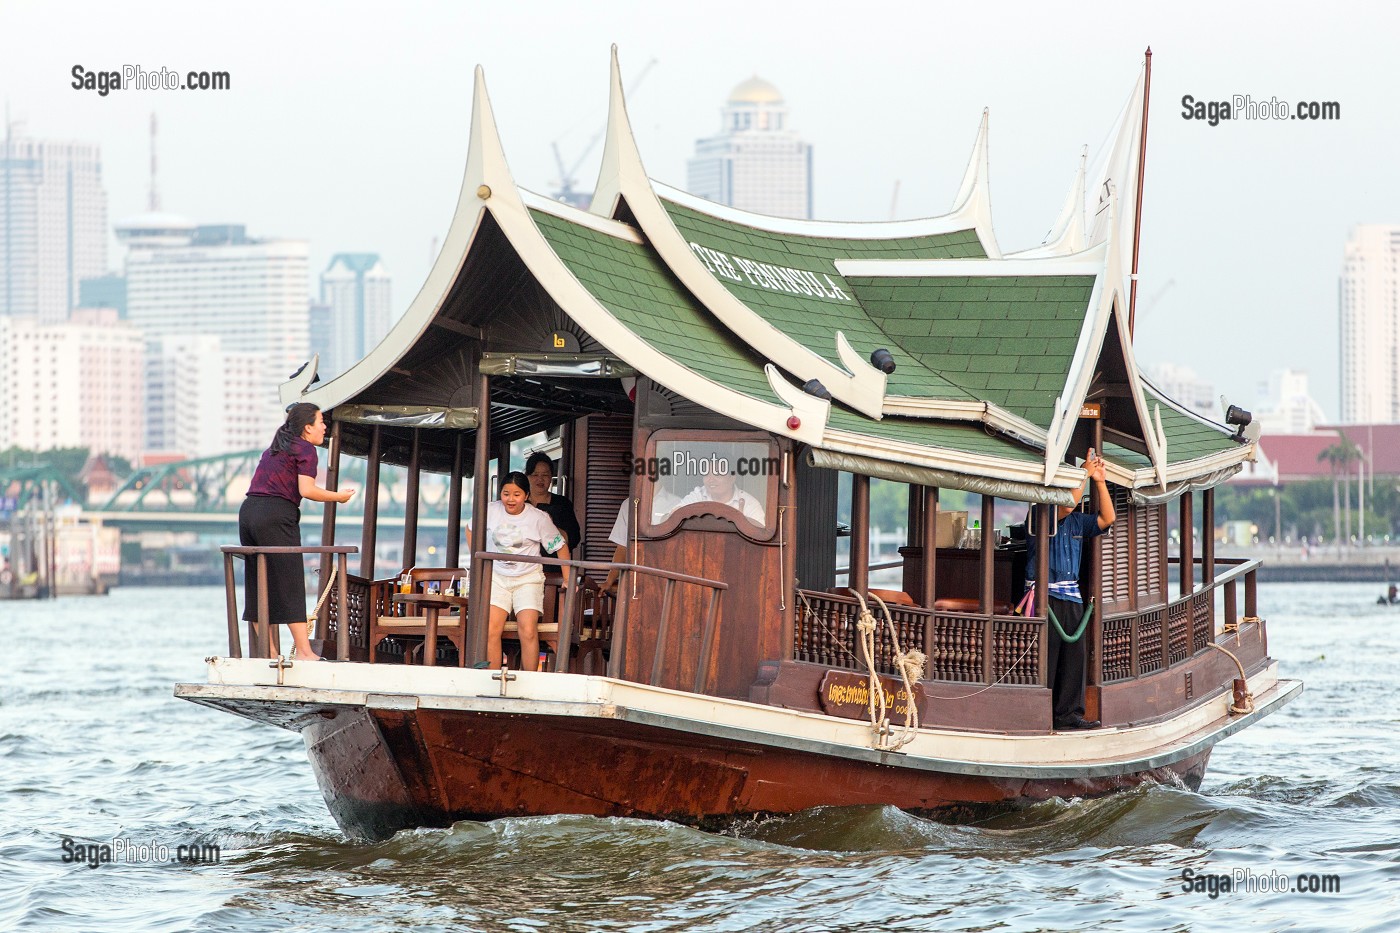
(1093, 410)
(847, 695)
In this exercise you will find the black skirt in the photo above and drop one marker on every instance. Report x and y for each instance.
(271, 521)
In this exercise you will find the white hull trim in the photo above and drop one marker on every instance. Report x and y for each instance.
(1061, 755)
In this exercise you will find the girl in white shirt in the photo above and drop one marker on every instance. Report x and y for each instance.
(514, 526)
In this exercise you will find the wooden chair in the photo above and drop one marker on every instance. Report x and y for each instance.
(451, 625)
(592, 628)
(891, 597)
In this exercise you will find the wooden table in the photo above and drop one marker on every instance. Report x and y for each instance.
(432, 604)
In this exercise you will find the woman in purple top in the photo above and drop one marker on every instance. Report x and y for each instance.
(271, 517)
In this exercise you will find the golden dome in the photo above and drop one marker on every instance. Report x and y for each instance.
(755, 91)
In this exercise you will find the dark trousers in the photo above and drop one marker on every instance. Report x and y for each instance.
(271, 521)
(1067, 662)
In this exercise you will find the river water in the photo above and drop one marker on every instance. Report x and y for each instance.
(93, 747)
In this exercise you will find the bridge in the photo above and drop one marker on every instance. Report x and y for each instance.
(203, 495)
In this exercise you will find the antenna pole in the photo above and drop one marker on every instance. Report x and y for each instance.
(1137, 210)
(154, 198)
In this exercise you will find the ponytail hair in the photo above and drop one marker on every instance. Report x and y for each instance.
(516, 478)
(299, 417)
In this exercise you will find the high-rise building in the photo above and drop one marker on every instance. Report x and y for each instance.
(201, 400)
(318, 334)
(53, 225)
(1182, 383)
(1286, 406)
(356, 286)
(1369, 299)
(187, 280)
(755, 162)
(75, 384)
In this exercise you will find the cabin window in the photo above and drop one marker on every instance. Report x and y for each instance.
(723, 474)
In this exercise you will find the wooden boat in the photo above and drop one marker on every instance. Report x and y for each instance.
(730, 674)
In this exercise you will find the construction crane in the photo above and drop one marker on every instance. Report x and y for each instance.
(565, 191)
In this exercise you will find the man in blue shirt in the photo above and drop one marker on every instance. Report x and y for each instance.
(1066, 661)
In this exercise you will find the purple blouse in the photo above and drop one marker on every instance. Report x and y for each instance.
(278, 473)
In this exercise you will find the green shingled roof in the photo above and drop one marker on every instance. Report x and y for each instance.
(630, 280)
(1187, 437)
(1006, 339)
(952, 435)
(812, 320)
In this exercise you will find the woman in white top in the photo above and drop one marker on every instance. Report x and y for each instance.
(514, 526)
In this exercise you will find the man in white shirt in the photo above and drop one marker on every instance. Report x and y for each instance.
(720, 487)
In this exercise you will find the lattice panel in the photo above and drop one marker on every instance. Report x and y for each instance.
(1202, 621)
(1016, 650)
(1150, 654)
(360, 596)
(1178, 632)
(1117, 649)
(1117, 569)
(1151, 551)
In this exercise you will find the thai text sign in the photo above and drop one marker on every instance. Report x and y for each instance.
(847, 694)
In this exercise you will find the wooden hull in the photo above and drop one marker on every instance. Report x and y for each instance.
(395, 747)
(385, 770)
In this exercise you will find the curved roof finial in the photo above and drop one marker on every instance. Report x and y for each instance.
(974, 198)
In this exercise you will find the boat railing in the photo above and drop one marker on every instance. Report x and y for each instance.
(1156, 638)
(476, 635)
(260, 631)
(960, 647)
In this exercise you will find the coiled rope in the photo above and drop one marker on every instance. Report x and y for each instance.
(909, 664)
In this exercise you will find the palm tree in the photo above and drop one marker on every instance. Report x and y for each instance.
(1339, 458)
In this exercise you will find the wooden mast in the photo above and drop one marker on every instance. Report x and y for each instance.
(1137, 210)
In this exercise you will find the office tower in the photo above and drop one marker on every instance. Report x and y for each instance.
(79, 383)
(53, 225)
(755, 163)
(215, 280)
(1370, 325)
(356, 287)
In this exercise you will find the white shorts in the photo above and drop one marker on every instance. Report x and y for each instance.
(518, 593)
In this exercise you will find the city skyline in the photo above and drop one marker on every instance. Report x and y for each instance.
(352, 151)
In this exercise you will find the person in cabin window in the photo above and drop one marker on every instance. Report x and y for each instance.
(540, 469)
(271, 515)
(514, 526)
(1066, 661)
(720, 487)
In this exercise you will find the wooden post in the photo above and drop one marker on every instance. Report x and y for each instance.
(328, 531)
(235, 648)
(1251, 594)
(989, 555)
(264, 634)
(454, 508)
(1095, 632)
(410, 503)
(342, 631)
(481, 489)
(371, 507)
(860, 533)
(1231, 616)
(1188, 551)
(1208, 541)
(928, 569)
(1043, 520)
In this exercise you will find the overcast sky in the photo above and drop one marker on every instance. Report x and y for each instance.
(347, 123)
